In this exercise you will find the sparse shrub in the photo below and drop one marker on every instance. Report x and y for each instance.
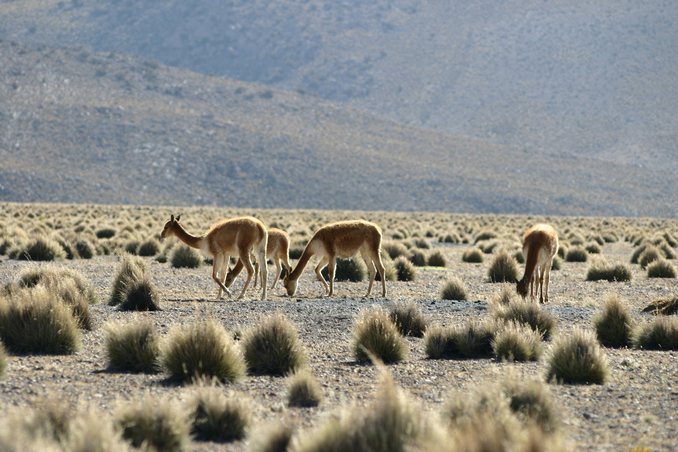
(601, 270)
(48, 419)
(577, 358)
(215, 417)
(422, 244)
(394, 249)
(303, 390)
(154, 424)
(503, 268)
(532, 401)
(132, 347)
(484, 235)
(51, 276)
(473, 340)
(506, 295)
(661, 269)
(437, 259)
(375, 334)
(576, 254)
(418, 258)
(148, 248)
(452, 237)
(562, 250)
(519, 257)
(648, 256)
(404, 269)
(3, 359)
(131, 247)
(613, 325)
(440, 343)
(390, 272)
(202, 350)
(85, 249)
(408, 318)
(140, 295)
(41, 249)
(637, 252)
(272, 347)
(275, 437)
(667, 251)
(93, 431)
(472, 255)
(453, 289)
(131, 269)
(391, 423)
(517, 342)
(592, 248)
(184, 256)
(105, 233)
(659, 334)
(353, 270)
(557, 263)
(663, 306)
(526, 312)
(671, 240)
(33, 321)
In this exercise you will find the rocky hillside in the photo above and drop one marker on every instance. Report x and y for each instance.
(79, 126)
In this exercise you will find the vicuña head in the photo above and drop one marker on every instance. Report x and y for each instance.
(170, 227)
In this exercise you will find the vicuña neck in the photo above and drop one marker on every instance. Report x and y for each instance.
(303, 261)
(189, 239)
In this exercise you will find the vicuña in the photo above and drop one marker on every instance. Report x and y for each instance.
(343, 239)
(230, 237)
(278, 250)
(540, 245)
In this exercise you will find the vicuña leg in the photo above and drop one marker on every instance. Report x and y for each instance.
(219, 265)
(276, 276)
(331, 269)
(245, 258)
(371, 270)
(318, 271)
(263, 270)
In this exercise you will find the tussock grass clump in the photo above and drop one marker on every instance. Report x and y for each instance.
(85, 249)
(659, 334)
(272, 347)
(148, 248)
(50, 276)
(663, 306)
(131, 269)
(453, 289)
(303, 390)
(353, 270)
(439, 343)
(408, 318)
(404, 269)
(517, 342)
(154, 424)
(395, 249)
(47, 422)
(484, 235)
(667, 251)
(557, 263)
(576, 254)
(201, 350)
(473, 340)
(183, 256)
(601, 270)
(422, 244)
(577, 358)
(503, 268)
(105, 233)
(391, 423)
(436, 259)
(472, 255)
(531, 401)
(613, 325)
(418, 258)
(274, 437)
(131, 247)
(140, 295)
(661, 269)
(593, 248)
(649, 255)
(93, 431)
(132, 347)
(506, 295)
(216, 417)
(3, 359)
(375, 334)
(33, 321)
(526, 312)
(40, 249)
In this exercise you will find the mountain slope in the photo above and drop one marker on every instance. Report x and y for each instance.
(595, 78)
(78, 126)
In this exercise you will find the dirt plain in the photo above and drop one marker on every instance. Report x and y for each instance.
(637, 406)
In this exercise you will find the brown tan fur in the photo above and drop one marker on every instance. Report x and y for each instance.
(343, 239)
(540, 245)
(229, 237)
(278, 251)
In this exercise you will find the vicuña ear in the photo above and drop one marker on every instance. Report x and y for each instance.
(178, 217)
(172, 218)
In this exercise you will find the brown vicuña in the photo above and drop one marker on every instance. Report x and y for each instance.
(278, 250)
(240, 237)
(342, 239)
(540, 245)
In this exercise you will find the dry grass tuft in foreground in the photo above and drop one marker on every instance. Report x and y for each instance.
(659, 334)
(408, 318)
(140, 295)
(613, 325)
(526, 312)
(154, 424)
(183, 256)
(661, 268)
(131, 269)
(272, 347)
(577, 359)
(217, 418)
(274, 437)
(453, 289)
(132, 347)
(404, 269)
(601, 270)
(473, 340)
(303, 390)
(201, 350)
(517, 342)
(40, 249)
(375, 335)
(503, 268)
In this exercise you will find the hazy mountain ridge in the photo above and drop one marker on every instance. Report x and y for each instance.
(595, 78)
(78, 126)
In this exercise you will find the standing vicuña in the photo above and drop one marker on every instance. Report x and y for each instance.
(238, 237)
(342, 239)
(540, 245)
(278, 250)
